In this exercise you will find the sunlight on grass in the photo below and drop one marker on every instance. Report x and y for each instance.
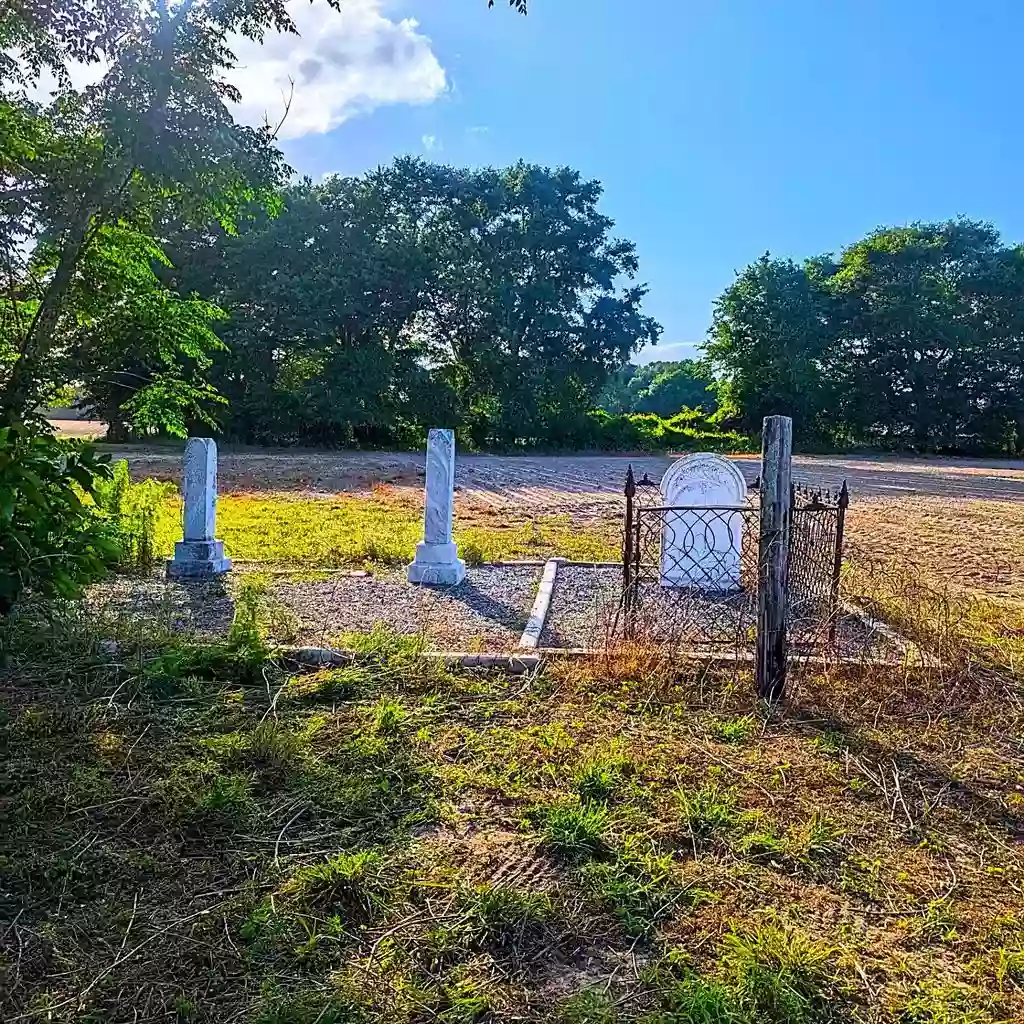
(354, 531)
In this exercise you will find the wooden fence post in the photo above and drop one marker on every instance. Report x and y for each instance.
(773, 556)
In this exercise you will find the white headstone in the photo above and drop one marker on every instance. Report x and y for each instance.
(200, 487)
(199, 553)
(436, 560)
(702, 548)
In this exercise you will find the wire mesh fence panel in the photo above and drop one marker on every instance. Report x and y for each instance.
(693, 577)
(690, 574)
(815, 560)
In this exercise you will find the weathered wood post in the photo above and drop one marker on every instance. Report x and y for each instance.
(773, 556)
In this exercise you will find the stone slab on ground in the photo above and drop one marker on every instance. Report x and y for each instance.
(486, 612)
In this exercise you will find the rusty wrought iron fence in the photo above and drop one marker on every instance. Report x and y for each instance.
(817, 525)
(690, 574)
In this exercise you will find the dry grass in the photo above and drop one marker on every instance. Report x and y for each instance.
(967, 545)
(195, 835)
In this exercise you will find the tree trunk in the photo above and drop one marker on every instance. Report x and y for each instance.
(21, 391)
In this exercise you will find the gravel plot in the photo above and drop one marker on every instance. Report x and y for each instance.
(584, 606)
(203, 608)
(486, 612)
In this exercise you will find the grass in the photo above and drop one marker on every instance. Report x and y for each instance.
(195, 834)
(382, 530)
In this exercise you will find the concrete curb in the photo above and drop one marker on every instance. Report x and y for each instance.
(329, 657)
(539, 612)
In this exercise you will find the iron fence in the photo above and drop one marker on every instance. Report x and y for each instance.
(690, 574)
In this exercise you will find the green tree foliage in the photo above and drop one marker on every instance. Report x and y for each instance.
(90, 174)
(493, 300)
(662, 388)
(912, 338)
(88, 178)
(770, 343)
(51, 538)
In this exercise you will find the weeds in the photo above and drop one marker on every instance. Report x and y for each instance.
(598, 777)
(708, 811)
(143, 516)
(733, 730)
(780, 974)
(639, 886)
(572, 831)
(383, 644)
(349, 845)
(505, 916)
(353, 882)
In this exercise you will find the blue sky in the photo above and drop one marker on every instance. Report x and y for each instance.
(720, 129)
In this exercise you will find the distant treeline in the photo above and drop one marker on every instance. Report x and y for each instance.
(912, 338)
(499, 303)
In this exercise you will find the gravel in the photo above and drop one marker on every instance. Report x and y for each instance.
(583, 606)
(487, 611)
(584, 613)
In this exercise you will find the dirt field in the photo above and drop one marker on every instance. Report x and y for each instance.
(539, 480)
(961, 519)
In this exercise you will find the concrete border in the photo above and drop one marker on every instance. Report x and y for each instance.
(521, 664)
(330, 657)
(539, 613)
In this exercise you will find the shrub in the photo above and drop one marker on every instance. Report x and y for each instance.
(135, 512)
(53, 539)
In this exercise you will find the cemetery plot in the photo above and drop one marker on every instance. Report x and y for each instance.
(486, 612)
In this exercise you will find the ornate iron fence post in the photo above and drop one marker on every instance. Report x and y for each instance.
(773, 556)
(627, 554)
(837, 563)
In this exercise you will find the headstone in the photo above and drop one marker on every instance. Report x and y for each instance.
(701, 549)
(437, 561)
(200, 553)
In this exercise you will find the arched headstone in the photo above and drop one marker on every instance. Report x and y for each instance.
(701, 548)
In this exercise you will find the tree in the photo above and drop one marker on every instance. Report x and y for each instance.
(153, 136)
(912, 338)
(86, 181)
(526, 318)
(670, 387)
(374, 307)
(931, 337)
(771, 345)
(661, 387)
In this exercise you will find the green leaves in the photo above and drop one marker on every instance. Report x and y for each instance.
(910, 339)
(376, 306)
(50, 539)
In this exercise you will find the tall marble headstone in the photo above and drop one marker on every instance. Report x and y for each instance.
(199, 553)
(701, 548)
(436, 559)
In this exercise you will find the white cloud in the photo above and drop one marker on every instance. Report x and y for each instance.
(344, 63)
(668, 353)
(430, 142)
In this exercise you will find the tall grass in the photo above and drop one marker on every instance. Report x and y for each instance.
(141, 516)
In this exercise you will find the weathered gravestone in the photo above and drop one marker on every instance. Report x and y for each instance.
(436, 559)
(701, 533)
(200, 553)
